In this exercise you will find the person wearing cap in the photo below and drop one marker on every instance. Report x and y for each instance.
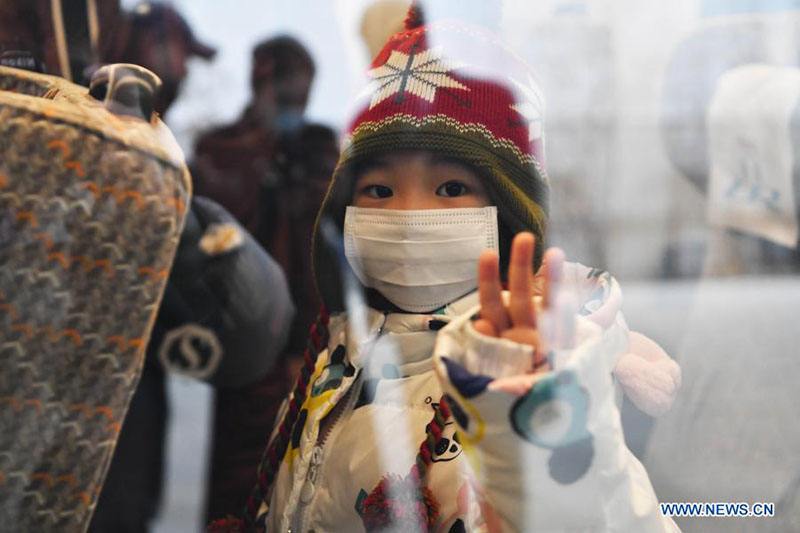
(158, 38)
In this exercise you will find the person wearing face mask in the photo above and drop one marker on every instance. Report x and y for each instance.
(238, 164)
(271, 168)
(432, 399)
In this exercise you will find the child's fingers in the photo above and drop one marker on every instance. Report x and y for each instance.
(554, 261)
(485, 327)
(520, 281)
(491, 292)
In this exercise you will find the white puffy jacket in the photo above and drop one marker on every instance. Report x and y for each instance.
(551, 459)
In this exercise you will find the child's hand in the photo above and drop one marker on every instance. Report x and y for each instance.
(517, 321)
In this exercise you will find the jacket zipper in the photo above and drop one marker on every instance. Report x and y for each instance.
(347, 401)
(343, 406)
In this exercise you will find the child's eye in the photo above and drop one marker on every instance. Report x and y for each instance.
(377, 191)
(452, 188)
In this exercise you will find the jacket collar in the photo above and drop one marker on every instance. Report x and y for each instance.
(398, 344)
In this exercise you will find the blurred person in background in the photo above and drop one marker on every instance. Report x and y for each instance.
(236, 164)
(270, 168)
(157, 37)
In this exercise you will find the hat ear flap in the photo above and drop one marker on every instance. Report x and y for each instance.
(505, 237)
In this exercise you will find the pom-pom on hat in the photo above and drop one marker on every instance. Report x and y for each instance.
(447, 86)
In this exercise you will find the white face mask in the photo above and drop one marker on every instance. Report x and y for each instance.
(419, 260)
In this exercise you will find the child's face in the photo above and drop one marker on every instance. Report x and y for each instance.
(418, 180)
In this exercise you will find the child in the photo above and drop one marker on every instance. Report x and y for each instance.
(444, 160)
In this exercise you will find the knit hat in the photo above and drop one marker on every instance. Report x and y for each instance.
(450, 88)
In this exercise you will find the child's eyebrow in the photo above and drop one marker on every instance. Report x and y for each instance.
(437, 159)
(370, 164)
(440, 158)
(454, 162)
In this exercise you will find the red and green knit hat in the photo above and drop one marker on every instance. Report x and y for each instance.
(453, 89)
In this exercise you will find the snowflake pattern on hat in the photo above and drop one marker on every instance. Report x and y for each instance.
(417, 73)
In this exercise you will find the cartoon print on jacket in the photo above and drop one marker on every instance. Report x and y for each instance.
(553, 415)
(468, 386)
(449, 446)
(333, 373)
